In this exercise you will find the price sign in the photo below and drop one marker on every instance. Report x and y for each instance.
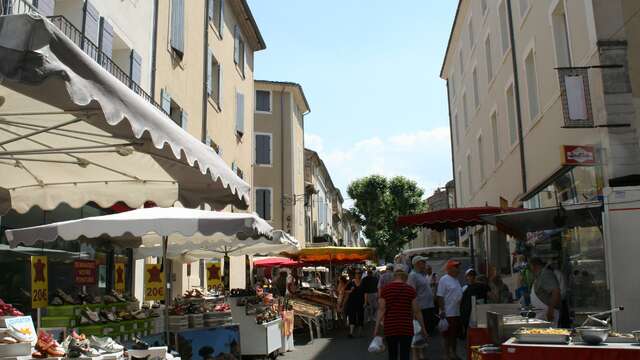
(39, 282)
(153, 282)
(214, 275)
(119, 278)
(85, 272)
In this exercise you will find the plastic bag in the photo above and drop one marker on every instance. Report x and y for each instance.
(377, 345)
(443, 325)
(418, 340)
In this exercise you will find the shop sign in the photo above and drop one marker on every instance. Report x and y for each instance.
(85, 272)
(214, 274)
(119, 276)
(153, 282)
(576, 97)
(39, 282)
(578, 155)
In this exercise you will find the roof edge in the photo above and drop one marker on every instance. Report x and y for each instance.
(293, 85)
(453, 26)
(254, 26)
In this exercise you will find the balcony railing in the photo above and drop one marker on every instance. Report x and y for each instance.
(8, 7)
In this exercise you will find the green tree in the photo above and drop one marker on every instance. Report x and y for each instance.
(378, 202)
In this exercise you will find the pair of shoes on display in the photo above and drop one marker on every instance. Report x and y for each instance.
(87, 299)
(108, 316)
(9, 310)
(105, 344)
(46, 346)
(119, 297)
(62, 298)
(87, 316)
(139, 344)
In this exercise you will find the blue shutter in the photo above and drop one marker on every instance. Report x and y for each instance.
(221, 23)
(90, 23)
(45, 7)
(210, 9)
(240, 113)
(165, 101)
(106, 38)
(177, 26)
(236, 44)
(220, 92)
(267, 205)
(184, 119)
(209, 71)
(135, 67)
(260, 203)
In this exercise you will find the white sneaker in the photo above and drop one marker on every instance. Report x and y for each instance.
(105, 344)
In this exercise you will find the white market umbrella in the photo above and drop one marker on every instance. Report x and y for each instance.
(70, 132)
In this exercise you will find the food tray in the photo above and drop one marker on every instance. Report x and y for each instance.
(620, 340)
(542, 338)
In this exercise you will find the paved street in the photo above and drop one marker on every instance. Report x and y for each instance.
(338, 346)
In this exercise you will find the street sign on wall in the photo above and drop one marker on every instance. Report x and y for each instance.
(578, 155)
(576, 97)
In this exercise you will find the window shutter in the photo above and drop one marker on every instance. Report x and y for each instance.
(135, 67)
(236, 44)
(260, 202)
(90, 22)
(267, 205)
(165, 101)
(267, 150)
(221, 20)
(240, 112)
(220, 92)
(209, 71)
(177, 26)
(211, 10)
(106, 37)
(184, 120)
(45, 7)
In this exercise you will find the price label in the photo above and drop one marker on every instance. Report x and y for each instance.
(153, 282)
(39, 282)
(214, 275)
(119, 283)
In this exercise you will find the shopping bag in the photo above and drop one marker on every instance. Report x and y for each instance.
(418, 340)
(443, 325)
(377, 345)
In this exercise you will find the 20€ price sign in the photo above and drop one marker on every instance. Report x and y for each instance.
(153, 282)
(214, 277)
(39, 282)
(119, 278)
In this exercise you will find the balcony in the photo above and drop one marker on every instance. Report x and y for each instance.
(12, 7)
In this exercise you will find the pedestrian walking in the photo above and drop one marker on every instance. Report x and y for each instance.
(386, 278)
(370, 286)
(397, 308)
(341, 289)
(545, 292)
(449, 296)
(419, 281)
(355, 303)
(473, 289)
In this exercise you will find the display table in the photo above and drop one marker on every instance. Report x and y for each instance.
(256, 339)
(206, 343)
(476, 336)
(511, 350)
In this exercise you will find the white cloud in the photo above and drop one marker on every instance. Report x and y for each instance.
(423, 156)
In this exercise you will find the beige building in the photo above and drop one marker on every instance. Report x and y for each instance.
(278, 173)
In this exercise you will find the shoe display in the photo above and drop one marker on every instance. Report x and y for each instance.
(65, 297)
(46, 345)
(56, 301)
(109, 299)
(8, 340)
(105, 344)
(9, 310)
(90, 315)
(108, 316)
(118, 296)
(140, 345)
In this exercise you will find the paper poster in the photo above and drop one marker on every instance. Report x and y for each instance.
(153, 282)
(22, 326)
(119, 276)
(214, 274)
(39, 282)
(85, 272)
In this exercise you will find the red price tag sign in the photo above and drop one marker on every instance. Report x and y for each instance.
(85, 272)
(153, 282)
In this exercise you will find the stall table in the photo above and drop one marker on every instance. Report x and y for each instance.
(511, 350)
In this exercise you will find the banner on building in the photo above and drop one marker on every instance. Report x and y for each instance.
(214, 274)
(576, 97)
(578, 155)
(39, 282)
(85, 272)
(119, 276)
(153, 282)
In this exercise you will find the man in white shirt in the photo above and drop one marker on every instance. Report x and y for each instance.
(449, 295)
(422, 284)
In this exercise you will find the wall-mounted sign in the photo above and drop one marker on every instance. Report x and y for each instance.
(576, 97)
(153, 282)
(85, 272)
(39, 282)
(578, 155)
(119, 276)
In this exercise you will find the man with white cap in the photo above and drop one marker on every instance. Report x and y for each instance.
(419, 281)
(449, 296)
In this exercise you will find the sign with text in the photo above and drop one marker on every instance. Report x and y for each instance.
(576, 97)
(119, 276)
(578, 155)
(214, 274)
(39, 282)
(84, 272)
(153, 282)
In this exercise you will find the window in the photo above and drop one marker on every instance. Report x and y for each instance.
(239, 113)
(532, 85)
(263, 101)
(489, 58)
(263, 203)
(214, 78)
(263, 149)
(495, 138)
(472, 40)
(483, 4)
(476, 91)
(481, 157)
(504, 27)
(455, 129)
(238, 49)
(524, 7)
(175, 112)
(177, 27)
(511, 115)
(561, 36)
(465, 112)
(215, 14)
(469, 176)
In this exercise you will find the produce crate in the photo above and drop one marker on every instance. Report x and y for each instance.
(57, 321)
(62, 310)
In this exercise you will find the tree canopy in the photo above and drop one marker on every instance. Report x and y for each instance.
(378, 202)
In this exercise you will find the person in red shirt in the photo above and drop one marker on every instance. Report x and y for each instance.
(397, 308)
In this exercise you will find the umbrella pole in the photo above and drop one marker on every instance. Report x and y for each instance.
(167, 287)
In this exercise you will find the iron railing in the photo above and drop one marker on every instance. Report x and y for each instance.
(8, 7)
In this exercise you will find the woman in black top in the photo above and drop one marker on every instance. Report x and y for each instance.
(355, 303)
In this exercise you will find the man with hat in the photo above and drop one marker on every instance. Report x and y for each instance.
(449, 295)
(473, 289)
(419, 281)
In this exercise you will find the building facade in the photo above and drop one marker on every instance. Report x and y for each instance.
(278, 172)
(442, 198)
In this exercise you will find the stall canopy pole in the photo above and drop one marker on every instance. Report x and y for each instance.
(167, 288)
(472, 250)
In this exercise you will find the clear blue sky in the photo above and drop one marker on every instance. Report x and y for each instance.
(370, 71)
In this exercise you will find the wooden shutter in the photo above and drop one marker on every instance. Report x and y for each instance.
(45, 7)
(236, 44)
(209, 71)
(106, 37)
(184, 119)
(90, 22)
(263, 149)
(220, 92)
(135, 67)
(210, 9)
(165, 101)
(267, 204)
(177, 26)
(240, 113)
(221, 20)
(260, 202)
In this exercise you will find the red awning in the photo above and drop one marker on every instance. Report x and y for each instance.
(452, 218)
(276, 262)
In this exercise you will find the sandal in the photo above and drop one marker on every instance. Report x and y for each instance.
(65, 297)
(90, 315)
(46, 345)
(118, 296)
